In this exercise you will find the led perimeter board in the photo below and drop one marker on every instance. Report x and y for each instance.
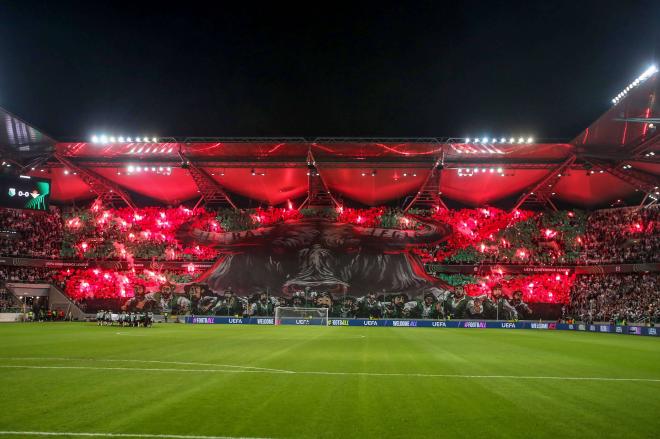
(24, 192)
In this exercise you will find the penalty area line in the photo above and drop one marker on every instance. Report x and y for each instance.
(127, 435)
(326, 373)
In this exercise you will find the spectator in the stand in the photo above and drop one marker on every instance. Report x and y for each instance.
(627, 235)
(31, 234)
(605, 298)
(623, 236)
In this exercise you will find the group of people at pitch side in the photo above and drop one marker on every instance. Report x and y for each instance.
(47, 315)
(434, 304)
(125, 319)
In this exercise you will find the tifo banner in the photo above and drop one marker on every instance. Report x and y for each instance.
(321, 255)
(397, 323)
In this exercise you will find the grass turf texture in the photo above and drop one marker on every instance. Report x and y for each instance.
(211, 399)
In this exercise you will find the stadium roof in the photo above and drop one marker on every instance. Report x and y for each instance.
(616, 158)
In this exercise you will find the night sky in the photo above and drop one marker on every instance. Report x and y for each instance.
(546, 69)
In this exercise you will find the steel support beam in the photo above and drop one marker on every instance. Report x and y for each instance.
(108, 192)
(645, 145)
(541, 192)
(642, 181)
(212, 193)
(429, 194)
(318, 194)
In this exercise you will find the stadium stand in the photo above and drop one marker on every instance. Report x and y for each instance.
(616, 298)
(485, 236)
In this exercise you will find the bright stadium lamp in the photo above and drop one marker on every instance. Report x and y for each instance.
(650, 71)
(530, 139)
(112, 139)
(521, 140)
(104, 138)
(95, 139)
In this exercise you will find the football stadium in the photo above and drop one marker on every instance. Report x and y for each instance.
(487, 285)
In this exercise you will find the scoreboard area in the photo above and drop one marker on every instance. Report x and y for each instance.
(24, 192)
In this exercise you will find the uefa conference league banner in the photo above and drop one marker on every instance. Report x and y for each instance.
(468, 324)
(106, 264)
(486, 269)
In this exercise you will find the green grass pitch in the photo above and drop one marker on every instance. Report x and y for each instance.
(326, 382)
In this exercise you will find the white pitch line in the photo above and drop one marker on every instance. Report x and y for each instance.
(138, 435)
(373, 374)
(115, 360)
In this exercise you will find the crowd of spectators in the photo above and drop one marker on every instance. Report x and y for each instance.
(633, 298)
(7, 300)
(31, 234)
(485, 235)
(490, 236)
(622, 236)
(616, 298)
(26, 274)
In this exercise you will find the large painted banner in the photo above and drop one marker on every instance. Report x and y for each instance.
(321, 255)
